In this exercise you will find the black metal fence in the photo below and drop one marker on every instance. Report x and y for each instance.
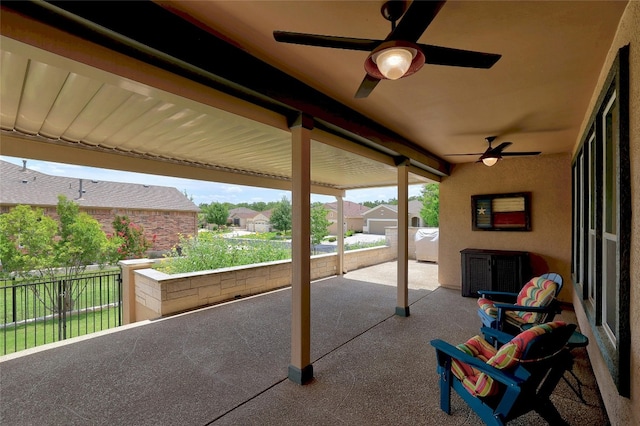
(38, 312)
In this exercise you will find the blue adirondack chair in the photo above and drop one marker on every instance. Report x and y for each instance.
(502, 384)
(535, 303)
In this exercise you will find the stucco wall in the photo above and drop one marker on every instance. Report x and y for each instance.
(547, 177)
(623, 411)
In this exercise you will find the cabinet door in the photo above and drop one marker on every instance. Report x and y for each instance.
(477, 274)
(507, 273)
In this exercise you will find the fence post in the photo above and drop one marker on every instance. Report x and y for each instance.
(60, 309)
(65, 292)
(121, 308)
(14, 300)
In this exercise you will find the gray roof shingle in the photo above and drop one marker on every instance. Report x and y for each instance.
(26, 186)
(350, 209)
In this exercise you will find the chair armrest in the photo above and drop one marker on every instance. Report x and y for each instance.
(491, 293)
(444, 349)
(498, 335)
(503, 307)
(522, 308)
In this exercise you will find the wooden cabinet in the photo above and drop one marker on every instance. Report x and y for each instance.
(497, 270)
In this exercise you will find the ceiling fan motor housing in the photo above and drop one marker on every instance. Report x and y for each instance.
(393, 10)
(371, 67)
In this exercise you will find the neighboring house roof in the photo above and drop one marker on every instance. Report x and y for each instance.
(349, 208)
(390, 207)
(414, 207)
(266, 214)
(242, 213)
(20, 185)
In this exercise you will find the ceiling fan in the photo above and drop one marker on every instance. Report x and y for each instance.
(398, 55)
(492, 155)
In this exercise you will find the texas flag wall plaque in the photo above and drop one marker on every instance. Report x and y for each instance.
(501, 212)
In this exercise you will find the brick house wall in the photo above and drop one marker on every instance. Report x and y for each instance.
(163, 212)
(165, 225)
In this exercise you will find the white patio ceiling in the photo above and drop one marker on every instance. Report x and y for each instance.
(51, 99)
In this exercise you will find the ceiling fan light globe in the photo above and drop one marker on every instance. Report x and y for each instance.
(489, 161)
(394, 63)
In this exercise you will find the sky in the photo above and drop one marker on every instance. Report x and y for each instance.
(201, 191)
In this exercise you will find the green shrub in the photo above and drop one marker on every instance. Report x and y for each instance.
(362, 245)
(210, 251)
(134, 244)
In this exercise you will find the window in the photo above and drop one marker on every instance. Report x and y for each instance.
(602, 223)
(609, 234)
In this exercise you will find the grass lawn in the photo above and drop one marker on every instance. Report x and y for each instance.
(36, 333)
(27, 309)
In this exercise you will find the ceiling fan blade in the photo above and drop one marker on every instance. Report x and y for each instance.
(498, 149)
(452, 155)
(518, 154)
(416, 20)
(366, 87)
(437, 55)
(335, 42)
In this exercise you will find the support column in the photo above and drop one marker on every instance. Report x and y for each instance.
(340, 230)
(402, 308)
(300, 369)
(129, 287)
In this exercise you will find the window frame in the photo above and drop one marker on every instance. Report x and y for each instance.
(588, 180)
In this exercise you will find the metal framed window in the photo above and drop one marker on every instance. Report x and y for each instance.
(602, 223)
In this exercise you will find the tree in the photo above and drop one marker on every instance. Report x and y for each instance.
(27, 239)
(189, 197)
(81, 241)
(319, 224)
(281, 215)
(259, 206)
(217, 213)
(33, 244)
(430, 211)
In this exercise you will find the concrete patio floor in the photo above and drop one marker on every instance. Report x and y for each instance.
(227, 364)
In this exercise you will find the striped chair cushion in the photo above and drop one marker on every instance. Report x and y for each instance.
(506, 358)
(537, 292)
(487, 306)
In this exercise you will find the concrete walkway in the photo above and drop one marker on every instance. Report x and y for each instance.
(227, 364)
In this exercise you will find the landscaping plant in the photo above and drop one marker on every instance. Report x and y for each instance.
(133, 243)
(34, 246)
(210, 251)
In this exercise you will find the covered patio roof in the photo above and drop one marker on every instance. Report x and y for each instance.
(201, 89)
